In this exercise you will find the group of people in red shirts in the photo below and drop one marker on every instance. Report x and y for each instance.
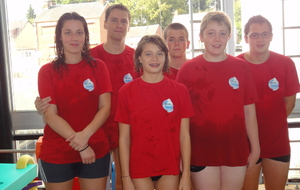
(208, 123)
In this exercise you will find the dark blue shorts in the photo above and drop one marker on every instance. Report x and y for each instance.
(57, 173)
(286, 158)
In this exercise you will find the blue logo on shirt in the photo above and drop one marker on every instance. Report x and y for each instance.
(88, 84)
(234, 83)
(273, 84)
(127, 78)
(168, 105)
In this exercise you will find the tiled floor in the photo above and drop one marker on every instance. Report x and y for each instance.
(288, 187)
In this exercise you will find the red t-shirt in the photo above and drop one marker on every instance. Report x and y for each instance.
(121, 70)
(154, 112)
(76, 94)
(219, 91)
(172, 74)
(275, 79)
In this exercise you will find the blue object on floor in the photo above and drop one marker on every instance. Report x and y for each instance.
(113, 176)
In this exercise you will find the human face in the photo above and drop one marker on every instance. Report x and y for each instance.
(177, 43)
(152, 59)
(117, 24)
(72, 37)
(215, 37)
(261, 44)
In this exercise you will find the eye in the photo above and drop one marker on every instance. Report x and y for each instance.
(124, 21)
(160, 53)
(266, 34)
(223, 34)
(211, 33)
(171, 40)
(254, 35)
(148, 54)
(67, 33)
(113, 20)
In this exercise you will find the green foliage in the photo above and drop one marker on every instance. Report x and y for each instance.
(205, 5)
(30, 14)
(149, 12)
(62, 2)
(237, 20)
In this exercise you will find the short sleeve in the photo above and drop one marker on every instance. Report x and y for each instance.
(122, 113)
(45, 82)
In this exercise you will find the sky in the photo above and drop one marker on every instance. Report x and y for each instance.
(17, 9)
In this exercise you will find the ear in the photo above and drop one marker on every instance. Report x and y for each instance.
(246, 39)
(188, 44)
(228, 38)
(271, 37)
(104, 25)
(201, 38)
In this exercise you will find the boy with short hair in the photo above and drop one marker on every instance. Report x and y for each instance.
(177, 40)
(277, 83)
(223, 95)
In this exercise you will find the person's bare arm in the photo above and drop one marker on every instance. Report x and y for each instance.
(185, 149)
(124, 152)
(290, 102)
(252, 133)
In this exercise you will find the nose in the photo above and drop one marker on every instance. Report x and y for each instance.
(74, 37)
(260, 37)
(217, 38)
(155, 57)
(119, 23)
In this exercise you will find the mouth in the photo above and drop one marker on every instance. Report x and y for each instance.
(74, 45)
(260, 45)
(154, 65)
(216, 46)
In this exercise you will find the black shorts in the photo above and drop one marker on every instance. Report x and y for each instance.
(197, 168)
(156, 178)
(57, 173)
(286, 158)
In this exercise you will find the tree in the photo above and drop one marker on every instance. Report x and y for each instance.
(205, 5)
(237, 20)
(30, 14)
(62, 2)
(149, 12)
(145, 12)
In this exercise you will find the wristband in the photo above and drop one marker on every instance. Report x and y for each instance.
(84, 148)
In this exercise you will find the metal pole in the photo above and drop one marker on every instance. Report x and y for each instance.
(6, 137)
(192, 26)
(17, 151)
(229, 10)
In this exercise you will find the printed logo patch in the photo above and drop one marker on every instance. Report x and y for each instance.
(88, 84)
(234, 83)
(168, 105)
(127, 78)
(273, 84)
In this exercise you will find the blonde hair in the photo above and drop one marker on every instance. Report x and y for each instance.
(215, 16)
